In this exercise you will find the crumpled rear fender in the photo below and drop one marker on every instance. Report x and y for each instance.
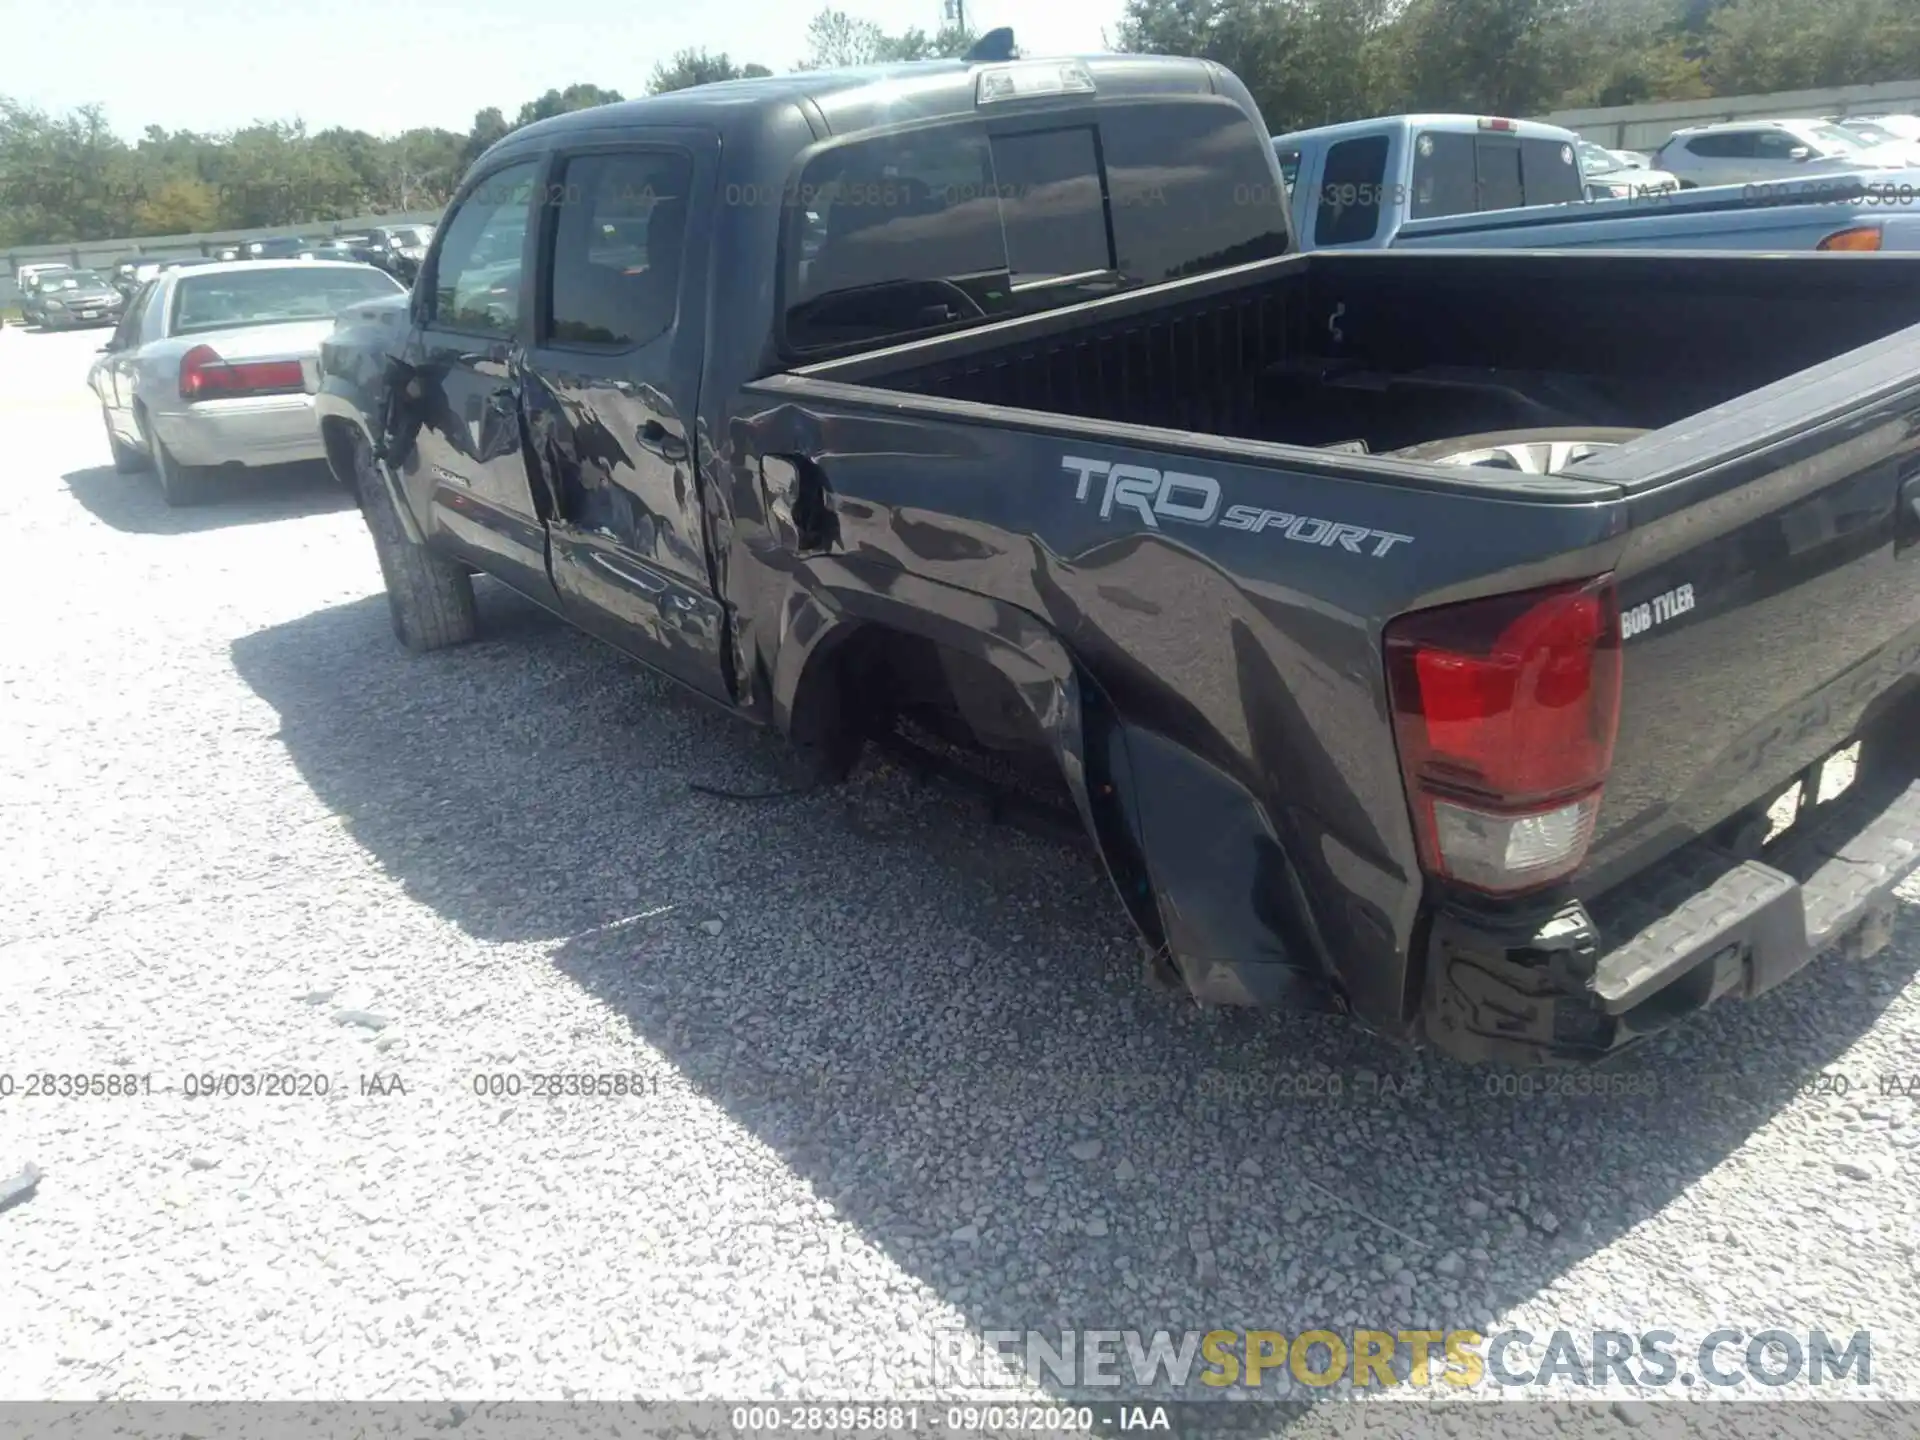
(1186, 847)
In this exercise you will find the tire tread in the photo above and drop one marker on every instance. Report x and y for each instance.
(429, 598)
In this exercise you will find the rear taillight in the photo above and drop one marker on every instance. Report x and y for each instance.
(205, 376)
(1489, 122)
(1855, 237)
(1505, 711)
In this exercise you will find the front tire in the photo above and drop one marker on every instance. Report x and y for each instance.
(429, 598)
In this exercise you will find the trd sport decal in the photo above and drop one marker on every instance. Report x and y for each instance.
(1156, 495)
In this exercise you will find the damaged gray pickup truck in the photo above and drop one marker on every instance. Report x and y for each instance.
(1422, 635)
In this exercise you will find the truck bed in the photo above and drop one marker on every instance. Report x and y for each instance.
(1793, 216)
(1764, 541)
(1394, 350)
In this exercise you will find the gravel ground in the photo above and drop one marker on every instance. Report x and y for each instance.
(896, 1075)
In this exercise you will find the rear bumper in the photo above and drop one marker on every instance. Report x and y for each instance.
(1590, 979)
(263, 430)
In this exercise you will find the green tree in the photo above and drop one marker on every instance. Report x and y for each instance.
(182, 206)
(699, 67)
(837, 40)
(1757, 46)
(561, 102)
(489, 126)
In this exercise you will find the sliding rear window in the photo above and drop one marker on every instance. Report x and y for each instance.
(1465, 174)
(914, 232)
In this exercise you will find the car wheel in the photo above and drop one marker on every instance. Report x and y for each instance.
(126, 459)
(1531, 452)
(429, 598)
(179, 484)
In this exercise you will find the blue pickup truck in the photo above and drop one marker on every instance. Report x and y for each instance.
(1471, 182)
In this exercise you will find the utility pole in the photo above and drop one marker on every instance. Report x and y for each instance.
(957, 14)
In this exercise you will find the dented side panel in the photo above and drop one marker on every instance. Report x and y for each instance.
(1224, 622)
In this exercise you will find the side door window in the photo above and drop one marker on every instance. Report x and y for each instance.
(620, 234)
(1776, 147)
(476, 276)
(1350, 186)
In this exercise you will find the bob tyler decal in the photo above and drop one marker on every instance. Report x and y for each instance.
(1638, 619)
(1156, 495)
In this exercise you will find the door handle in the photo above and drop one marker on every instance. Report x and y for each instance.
(661, 441)
(631, 575)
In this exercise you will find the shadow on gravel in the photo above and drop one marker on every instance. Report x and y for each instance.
(132, 503)
(939, 1023)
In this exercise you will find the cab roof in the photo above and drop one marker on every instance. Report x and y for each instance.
(1461, 124)
(848, 101)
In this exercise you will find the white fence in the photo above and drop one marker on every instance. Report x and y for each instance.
(1644, 127)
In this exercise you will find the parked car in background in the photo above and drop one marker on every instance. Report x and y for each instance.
(130, 274)
(122, 274)
(1608, 177)
(1875, 133)
(1452, 180)
(402, 237)
(25, 277)
(1343, 180)
(1906, 127)
(70, 299)
(399, 249)
(208, 366)
(1748, 151)
(276, 247)
(333, 248)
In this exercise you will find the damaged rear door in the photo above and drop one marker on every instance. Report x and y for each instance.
(611, 384)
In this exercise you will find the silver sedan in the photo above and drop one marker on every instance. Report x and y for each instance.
(209, 364)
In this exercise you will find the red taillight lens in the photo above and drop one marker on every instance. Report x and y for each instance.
(1505, 711)
(205, 376)
(1489, 122)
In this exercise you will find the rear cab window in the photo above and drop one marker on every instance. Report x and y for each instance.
(1456, 173)
(901, 234)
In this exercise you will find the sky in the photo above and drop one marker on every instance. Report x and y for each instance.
(219, 64)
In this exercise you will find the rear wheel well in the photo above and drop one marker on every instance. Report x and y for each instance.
(868, 678)
(872, 682)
